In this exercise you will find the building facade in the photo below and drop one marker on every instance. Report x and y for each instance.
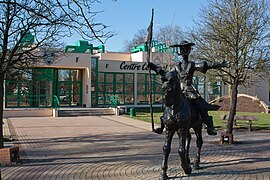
(96, 79)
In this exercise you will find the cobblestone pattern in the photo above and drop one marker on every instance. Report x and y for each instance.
(113, 147)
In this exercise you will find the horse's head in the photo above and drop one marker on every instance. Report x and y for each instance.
(170, 88)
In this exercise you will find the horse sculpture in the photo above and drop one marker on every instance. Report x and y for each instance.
(180, 115)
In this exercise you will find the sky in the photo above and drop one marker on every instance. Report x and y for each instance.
(126, 17)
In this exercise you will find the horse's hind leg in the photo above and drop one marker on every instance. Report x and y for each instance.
(166, 152)
(182, 134)
(199, 143)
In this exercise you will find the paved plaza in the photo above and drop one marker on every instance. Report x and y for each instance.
(120, 148)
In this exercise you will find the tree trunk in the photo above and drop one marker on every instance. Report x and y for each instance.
(233, 103)
(1, 110)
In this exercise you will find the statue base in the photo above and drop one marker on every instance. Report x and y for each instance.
(9, 155)
(226, 138)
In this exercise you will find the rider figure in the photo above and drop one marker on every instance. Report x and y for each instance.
(185, 70)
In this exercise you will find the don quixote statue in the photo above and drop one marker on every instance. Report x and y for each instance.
(184, 107)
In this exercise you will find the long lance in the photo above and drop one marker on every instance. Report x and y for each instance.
(148, 45)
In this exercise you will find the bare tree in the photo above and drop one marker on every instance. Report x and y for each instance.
(28, 28)
(170, 34)
(138, 39)
(164, 36)
(236, 31)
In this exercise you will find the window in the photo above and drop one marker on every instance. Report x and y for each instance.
(115, 87)
(63, 74)
(143, 89)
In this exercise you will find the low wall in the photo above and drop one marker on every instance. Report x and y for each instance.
(8, 113)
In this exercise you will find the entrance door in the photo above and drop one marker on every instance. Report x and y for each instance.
(43, 91)
(69, 87)
(69, 93)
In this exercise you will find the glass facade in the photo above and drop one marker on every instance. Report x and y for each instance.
(209, 90)
(214, 90)
(69, 86)
(41, 86)
(115, 87)
(143, 89)
(18, 94)
(38, 88)
(199, 83)
(34, 89)
(94, 82)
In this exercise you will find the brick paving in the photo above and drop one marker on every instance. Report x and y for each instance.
(117, 147)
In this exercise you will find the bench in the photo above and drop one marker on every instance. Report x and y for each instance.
(242, 120)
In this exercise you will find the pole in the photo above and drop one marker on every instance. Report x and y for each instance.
(148, 45)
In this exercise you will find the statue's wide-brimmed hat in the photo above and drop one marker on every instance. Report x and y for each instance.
(183, 43)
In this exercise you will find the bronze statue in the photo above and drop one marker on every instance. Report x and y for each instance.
(185, 71)
(179, 116)
(185, 108)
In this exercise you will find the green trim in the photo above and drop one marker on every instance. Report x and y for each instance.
(94, 81)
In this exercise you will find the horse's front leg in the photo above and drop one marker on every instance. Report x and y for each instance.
(187, 146)
(199, 143)
(166, 152)
(182, 134)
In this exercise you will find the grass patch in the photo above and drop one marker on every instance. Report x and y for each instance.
(263, 122)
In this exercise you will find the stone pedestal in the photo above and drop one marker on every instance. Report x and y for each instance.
(226, 138)
(9, 155)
